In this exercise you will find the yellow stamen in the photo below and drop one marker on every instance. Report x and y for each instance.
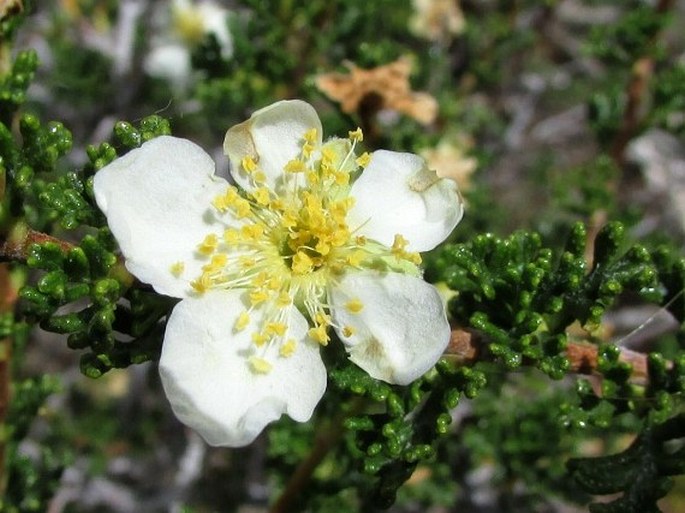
(319, 334)
(354, 306)
(363, 159)
(249, 165)
(260, 365)
(288, 348)
(242, 321)
(177, 268)
(208, 245)
(356, 135)
(348, 331)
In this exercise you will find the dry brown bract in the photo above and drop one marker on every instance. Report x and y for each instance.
(388, 83)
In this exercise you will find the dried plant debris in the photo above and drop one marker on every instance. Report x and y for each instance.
(437, 20)
(388, 83)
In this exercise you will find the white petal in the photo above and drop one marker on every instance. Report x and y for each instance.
(215, 20)
(157, 202)
(272, 137)
(402, 329)
(397, 193)
(169, 61)
(207, 378)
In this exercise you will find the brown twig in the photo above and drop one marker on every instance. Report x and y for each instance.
(325, 441)
(636, 91)
(467, 347)
(16, 247)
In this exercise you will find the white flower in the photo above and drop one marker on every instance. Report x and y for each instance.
(189, 23)
(307, 243)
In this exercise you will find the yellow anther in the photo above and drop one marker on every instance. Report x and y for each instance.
(209, 244)
(259, 339)
(246, 262)
(340, 237)
(251, 231)
(327, 155)
(274, 283)
(341, 178)
(217, 262)
(307, 150)
(249, 165)
(322, 318)
(356, 257)
(354, 306)
(288, 348)
(177, 268)
(220, 203)
(242, 208)
(260, 365)
(414, 258)
(319, 334)
(261, 196)
(276, 328)
(202, 284)
(360, 240)
(356, 135)
(260, 178)
(322, 248)
(260, 280)
(311, 135)
(231, 236)
(302, 264)
(289, 219)
(258, 296)
(295, 166)
(313, 178)
(363, 159)
(399, 244)
(242, 321)
(284, 299)
(348, 331)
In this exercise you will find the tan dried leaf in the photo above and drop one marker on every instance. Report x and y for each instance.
(388, 83)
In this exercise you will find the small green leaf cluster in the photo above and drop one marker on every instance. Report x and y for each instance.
(384, 448)
(14, 84)
(522, 298)
(642, 472)
(90, 273)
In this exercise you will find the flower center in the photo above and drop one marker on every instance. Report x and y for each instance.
(285, 245)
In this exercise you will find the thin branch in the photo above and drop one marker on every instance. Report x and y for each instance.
(16, 248)
(468, 347)
(323, 443)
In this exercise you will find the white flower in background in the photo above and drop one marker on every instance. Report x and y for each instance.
(187, 24)
(307, 243)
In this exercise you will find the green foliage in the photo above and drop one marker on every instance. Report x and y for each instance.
(633, 36)
(641, 472)
(32, 479)
(14, 84)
